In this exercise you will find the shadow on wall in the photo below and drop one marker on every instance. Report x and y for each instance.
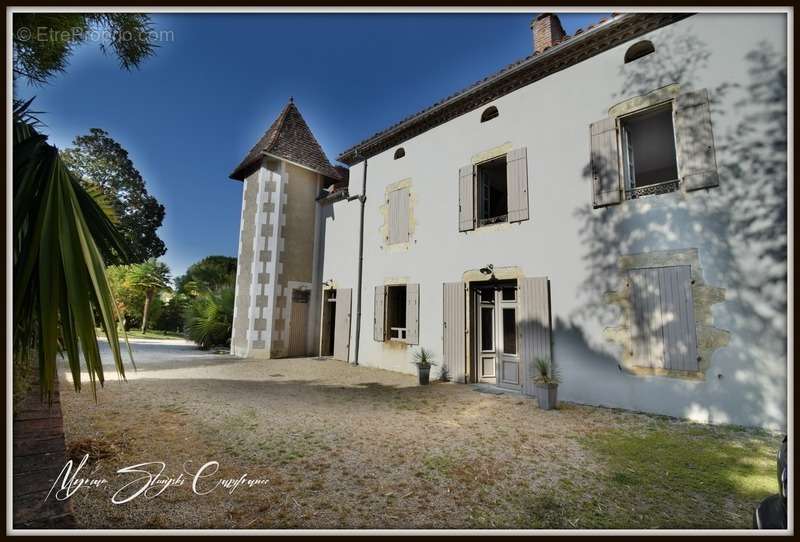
(739, 227)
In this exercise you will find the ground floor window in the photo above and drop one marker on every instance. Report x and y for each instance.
(396, 312)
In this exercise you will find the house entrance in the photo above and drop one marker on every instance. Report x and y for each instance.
(496, 355)
(328, 322)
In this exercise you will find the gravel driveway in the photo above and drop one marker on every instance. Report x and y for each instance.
(353, 447)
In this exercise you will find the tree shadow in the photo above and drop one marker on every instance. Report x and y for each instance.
(739, 227)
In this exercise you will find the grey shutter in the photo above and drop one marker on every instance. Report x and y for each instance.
(412, 313)
(466, 198)
(341, 340)
(398, 216)
(697, 160)
(533, 323)
(517, 175)
(663, 330)
(379, 330)
(454, 331)
(605, 163)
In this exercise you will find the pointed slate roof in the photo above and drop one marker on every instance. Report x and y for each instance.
(290, 138)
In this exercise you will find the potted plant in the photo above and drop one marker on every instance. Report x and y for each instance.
(546, 383)
(423, 359)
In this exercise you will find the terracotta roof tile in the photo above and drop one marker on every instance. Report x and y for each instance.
(290, 138)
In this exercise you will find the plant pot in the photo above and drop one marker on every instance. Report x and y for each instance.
(424, 375)
(547, 396)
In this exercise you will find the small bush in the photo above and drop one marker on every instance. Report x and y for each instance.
(209, 318)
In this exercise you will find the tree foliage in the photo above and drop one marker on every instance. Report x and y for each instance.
(43, 42)
(210, 273)
(99, 160)
(209, 318)
(60, 238)
(149, 277)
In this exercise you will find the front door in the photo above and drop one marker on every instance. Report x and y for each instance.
(496, 353)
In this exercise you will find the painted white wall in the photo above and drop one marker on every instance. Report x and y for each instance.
(577, 247)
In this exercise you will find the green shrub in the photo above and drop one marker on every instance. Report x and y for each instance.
(209, 318)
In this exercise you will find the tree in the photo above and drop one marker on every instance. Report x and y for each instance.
(150, 277)
(43, 42)
(60, 238)
(97, 158)
(210, 273)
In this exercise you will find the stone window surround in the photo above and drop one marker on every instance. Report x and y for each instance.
(709, 338)
(383, 230)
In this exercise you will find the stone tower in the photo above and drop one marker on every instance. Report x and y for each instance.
(277, 282)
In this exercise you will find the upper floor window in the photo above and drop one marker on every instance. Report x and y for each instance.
(493, 191)
(398, 216)
(647, 140)
(489, 113)
(399, 153)
(664, 146)
(638, 50)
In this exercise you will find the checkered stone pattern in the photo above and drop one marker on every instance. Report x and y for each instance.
(258, 263)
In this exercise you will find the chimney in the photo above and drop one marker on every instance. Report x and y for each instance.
(547, 31)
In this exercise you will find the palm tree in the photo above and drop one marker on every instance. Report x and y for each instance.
(151, 276)
(61, 233)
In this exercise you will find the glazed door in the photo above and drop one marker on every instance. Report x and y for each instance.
(497, 358)
(508, 369)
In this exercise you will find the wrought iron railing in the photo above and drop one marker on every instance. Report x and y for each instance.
(652, 189)
(492, 220)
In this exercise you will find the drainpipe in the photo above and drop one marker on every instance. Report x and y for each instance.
(363, 199)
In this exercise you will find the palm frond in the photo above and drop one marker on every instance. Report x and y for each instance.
(60, 234)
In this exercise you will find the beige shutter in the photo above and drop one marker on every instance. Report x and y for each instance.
(454, 331)
(533, 323)
(663, 331)
(466, 198)
(341, 340)
(398, 215)
(697, 160)
(412, 313)
(517, 175)
(379, 329)
(605, 163)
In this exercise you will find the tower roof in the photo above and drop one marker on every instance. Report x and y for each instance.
(289, 138)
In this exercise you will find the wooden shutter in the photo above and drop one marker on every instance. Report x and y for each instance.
(697, 160)
(379, 329)
(663, 332)
(466, 198)
(533, 324)
(398, 215)
(412, 313)
(341, 341)
(454, 331)
(606, 188)
(517, 175)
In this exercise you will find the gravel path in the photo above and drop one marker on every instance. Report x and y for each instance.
(340, 446)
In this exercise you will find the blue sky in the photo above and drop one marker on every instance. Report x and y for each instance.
(190, 114)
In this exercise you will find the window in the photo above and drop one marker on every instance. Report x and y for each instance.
(492, 191)
(399, 153)
(489, 113)
(397, 313)
(647, 142)
(638, 50)
(663, 333)
(510, 330)
(398, 216)
(495, 190)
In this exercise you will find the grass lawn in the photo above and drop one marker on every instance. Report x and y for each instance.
(151, 334)
(352, 447)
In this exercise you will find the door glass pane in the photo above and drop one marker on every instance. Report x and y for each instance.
(487, 321)
(509, 331)
(509, 293)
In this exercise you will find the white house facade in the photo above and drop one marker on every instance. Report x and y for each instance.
(615, 203)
